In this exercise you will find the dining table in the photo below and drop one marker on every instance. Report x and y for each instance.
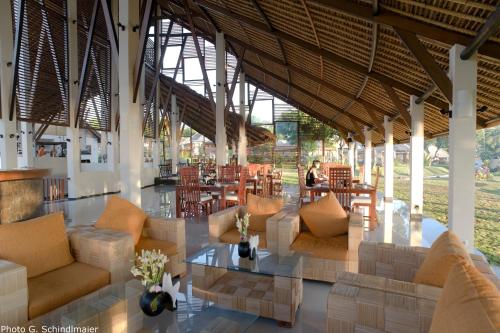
(356, 189)
(222, 188)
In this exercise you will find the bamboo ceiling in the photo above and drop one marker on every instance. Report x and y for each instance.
(345, 62)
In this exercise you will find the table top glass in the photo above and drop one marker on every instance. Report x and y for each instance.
(222, 255)
(116, 308)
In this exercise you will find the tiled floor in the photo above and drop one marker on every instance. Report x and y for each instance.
(312, 313)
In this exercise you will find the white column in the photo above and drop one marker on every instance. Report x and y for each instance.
(462, 146)
(368, 155)
(131, 113)
(350, 152)
(220, 94)
(28, 145)
(242, 143)
(388, 160)
(388, 221)
(72, 133)
(416, 159)
(8, 130)
(174, 125)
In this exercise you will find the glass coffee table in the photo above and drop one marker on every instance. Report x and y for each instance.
(115, 308)
(269, 286)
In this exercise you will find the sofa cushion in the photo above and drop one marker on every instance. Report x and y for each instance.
(122, 215)
(445, 252)
(333, 248)
(40, 244)
(469, 302)
(325, 218)
(260, 209)
(233, 237)
(61, 286)
(149, 244)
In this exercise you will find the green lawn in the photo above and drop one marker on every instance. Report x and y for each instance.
(487, 231)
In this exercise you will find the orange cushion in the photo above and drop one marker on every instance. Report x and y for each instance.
(333, 248)
(149, 244)
(40, 244)
(233, 237)
(260, 209)
(61, 286)
(445, 252)
(468, 303)
(325, 217)
(122, 215)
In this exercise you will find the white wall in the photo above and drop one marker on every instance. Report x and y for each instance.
(57, 164)
(98, 182)
(148, 174)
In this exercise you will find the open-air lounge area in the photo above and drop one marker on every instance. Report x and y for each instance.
(223, 166)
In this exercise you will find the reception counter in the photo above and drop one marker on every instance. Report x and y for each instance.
(21, 194)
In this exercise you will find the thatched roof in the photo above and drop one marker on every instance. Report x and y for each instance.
(344, 61)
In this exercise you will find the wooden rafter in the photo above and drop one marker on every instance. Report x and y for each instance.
(141, 50)
(169, 95)
(200, 56)
(309, 94)
(110, 26)
(426, 30)
(252, 103)
(398, 104)
(333, 57)
(158, 67)
(230, 94)
(426, 60)
(85, 64)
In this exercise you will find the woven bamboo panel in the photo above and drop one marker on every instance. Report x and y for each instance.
(13, 293)
(106, 249)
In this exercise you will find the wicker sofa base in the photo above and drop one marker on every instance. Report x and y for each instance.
(271, 297)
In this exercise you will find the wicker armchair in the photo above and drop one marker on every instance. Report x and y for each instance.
(323, 258)
(107, 250)
(222, 228)
(382, 298)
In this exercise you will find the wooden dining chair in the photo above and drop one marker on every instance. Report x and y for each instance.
(189, 175)
(364, 200)
(239, 198)
(227, 174)
(304, 191)
(193, 203)
(340, 183)
(277, 183)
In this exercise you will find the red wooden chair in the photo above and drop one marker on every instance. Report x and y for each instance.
(227, 174)
(189, 175)
(240, 197)
(340, 183)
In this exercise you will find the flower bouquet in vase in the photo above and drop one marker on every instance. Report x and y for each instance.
(159, 292)
(242, 226)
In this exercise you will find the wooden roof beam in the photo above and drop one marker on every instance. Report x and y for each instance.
(310, 95)
(426, 60)
(335, 58)
(110, 26)
(490, 28)
(399, 105)
(300, 106)
(489, 48)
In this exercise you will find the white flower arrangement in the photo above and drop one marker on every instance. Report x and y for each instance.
(242, 226)
(150, 266)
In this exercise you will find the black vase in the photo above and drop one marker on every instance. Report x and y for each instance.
(152, 304)
(244, 249)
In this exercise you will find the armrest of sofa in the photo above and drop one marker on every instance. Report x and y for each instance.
(166, 229)
(13, 293)
(106, 249)
(355, 236)
(398, 262)
(222, 221)
(380, 304)
(288, 230)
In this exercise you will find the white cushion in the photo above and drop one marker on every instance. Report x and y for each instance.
(232, 197)
(360, 200)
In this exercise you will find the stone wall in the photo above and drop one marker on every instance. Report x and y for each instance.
(20, 199)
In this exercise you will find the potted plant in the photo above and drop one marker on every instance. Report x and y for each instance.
(242, 226)
(150, 268)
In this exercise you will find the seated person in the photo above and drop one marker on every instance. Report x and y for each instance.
(312, 176)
